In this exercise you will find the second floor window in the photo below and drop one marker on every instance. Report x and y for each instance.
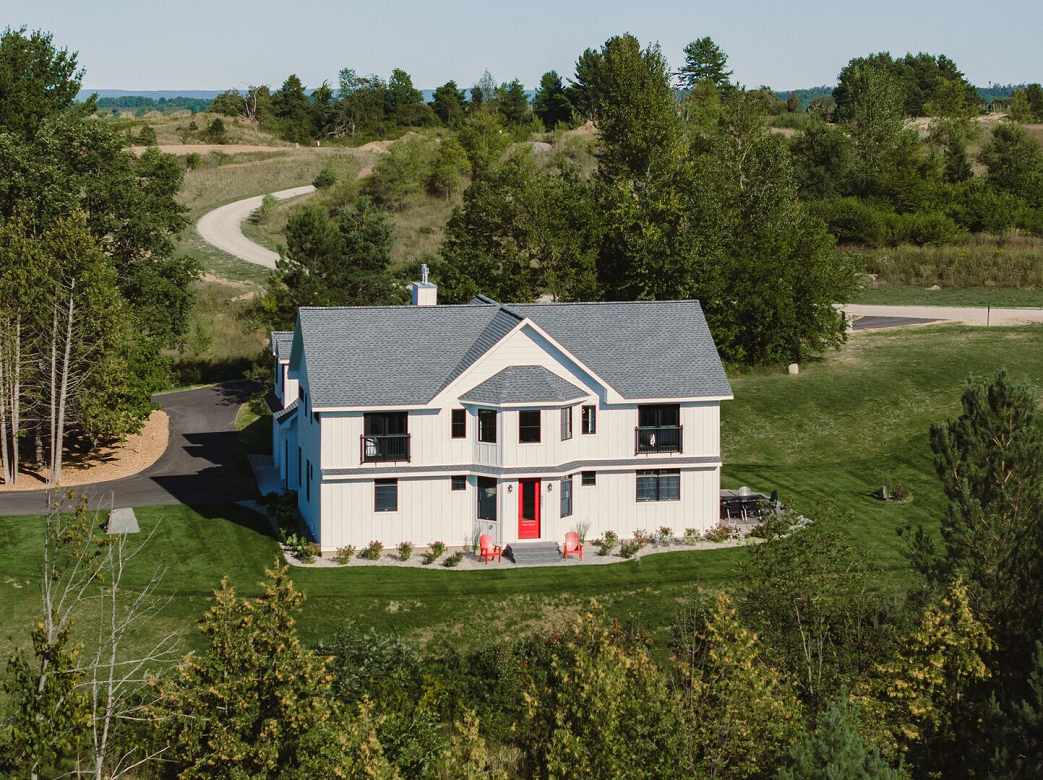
(386, 437)
(487, 426)
(459, 424)
(529, 426)
(566, 424)
(590, 419)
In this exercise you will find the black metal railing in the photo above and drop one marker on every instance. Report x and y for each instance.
(662, 438)
(390, 447)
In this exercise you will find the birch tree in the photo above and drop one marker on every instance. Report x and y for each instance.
(78, 688)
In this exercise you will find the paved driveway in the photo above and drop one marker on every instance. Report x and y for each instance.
(202, 464)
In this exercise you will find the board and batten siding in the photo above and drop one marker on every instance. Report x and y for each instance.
(429, 510)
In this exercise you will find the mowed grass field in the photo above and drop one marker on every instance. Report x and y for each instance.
(825, 439)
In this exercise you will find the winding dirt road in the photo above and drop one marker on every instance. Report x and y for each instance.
(222, 227)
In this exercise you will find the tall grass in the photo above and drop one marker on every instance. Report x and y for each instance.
(1011, 260)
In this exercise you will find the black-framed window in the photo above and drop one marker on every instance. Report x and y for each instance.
(386, 423)
(665, 416)
(459, 424)
(566, 496)
(487, 426)
(486, 498)
(385, 495)
(298, 468)
(659, 485)
(589, 478)
(566, 423)
(459, 482)
(590, 419)
(529, 426)
(307, 485)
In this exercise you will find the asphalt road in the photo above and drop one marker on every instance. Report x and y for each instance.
(202, 464)
(222, 227)
(878, 323)
(968, 315)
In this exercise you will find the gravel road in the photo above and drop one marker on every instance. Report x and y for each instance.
(222, 227)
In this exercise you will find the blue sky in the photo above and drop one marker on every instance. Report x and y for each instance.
(188, 44)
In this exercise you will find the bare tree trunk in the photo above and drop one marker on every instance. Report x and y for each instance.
(53, 397)
(5, 455)
(16, 401)
(58, 434)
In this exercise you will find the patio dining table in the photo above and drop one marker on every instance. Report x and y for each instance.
(736, 505)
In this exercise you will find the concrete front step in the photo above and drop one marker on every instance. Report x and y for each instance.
(536, 554)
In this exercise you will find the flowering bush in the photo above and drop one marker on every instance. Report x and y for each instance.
(345, 554)
(405, 549)
(372, 551)
(608, 542)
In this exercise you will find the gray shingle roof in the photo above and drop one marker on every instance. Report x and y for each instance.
(280, 343)
(523, 385)
(643, 349)
(405, 355)
(285, 414)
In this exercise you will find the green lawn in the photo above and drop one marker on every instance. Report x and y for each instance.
(824, 439)
(913, 295)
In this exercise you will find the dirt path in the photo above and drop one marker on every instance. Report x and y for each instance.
(968, 315)
(222, 227)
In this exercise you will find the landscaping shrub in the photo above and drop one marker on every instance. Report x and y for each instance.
(434, 552)
(608, 542)
(719, 533)
(405, 549)
(691, 536)
(665, 535)
(629, 548)
(345, 554)
(192, 160)
(302, 548)
(372, 551)
(581, 531)
(453, 559)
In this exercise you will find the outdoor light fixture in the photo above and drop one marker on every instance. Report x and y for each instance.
(550, 486)
(510, 488)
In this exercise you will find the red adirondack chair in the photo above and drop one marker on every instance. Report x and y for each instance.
(572, 546)
(488, 550)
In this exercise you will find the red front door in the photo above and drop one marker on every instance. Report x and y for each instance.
(529, 509)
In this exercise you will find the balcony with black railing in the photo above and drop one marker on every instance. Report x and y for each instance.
(387, 448)
(659, 438)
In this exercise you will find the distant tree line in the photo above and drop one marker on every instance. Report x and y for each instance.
(163, 105)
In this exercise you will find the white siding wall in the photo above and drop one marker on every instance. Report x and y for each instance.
(428, 510)
(309, 441)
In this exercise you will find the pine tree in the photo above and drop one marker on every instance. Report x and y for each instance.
(740, 714)
(246, 705)
(704, 61)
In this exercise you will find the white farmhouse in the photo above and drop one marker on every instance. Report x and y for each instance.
(425, 422)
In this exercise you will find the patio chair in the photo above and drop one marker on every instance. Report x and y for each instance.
(488, 550)
(572, 546)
